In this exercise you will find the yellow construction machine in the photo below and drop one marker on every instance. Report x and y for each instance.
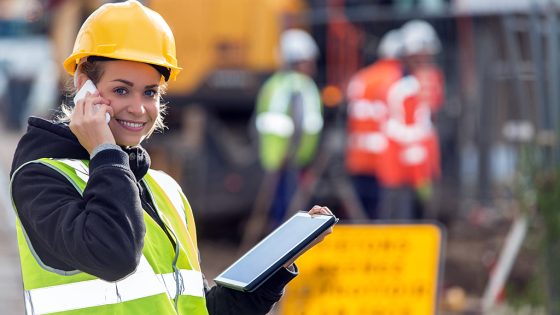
(226, 49)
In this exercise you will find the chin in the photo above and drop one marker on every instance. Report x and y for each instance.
(128, 143)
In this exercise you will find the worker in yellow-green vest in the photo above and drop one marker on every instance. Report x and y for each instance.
(289, 118)
(99, 232)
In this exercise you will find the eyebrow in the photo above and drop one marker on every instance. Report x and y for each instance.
(132, 84)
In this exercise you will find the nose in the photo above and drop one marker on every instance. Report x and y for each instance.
(137, 106)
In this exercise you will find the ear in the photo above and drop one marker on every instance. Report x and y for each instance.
(79, 80)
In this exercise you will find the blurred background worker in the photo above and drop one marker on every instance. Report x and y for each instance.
(289, 119)
(29, 76)
(410, 131)
(421, 44)
(367, 144)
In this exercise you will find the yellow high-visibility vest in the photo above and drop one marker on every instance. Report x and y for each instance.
(275, 122)
(167, 280)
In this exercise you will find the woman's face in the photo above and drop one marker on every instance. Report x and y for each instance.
(133, 90)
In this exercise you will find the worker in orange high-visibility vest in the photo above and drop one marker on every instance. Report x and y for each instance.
(367, 146)
(421, 44)
(412, 138)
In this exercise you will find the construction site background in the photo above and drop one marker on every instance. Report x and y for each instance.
(498, 126)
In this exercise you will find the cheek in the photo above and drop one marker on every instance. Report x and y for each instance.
(153, 109)
(116, 104)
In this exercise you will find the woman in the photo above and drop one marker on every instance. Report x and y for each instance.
(98, 231)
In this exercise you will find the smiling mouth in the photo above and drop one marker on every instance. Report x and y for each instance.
(130, 124)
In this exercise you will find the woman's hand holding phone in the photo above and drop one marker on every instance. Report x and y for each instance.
(81, 94)
(89, 119)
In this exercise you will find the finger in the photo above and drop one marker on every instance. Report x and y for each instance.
(101, 112)
(110, 111)
(79, 107)
(93, 98)
(315, 210)
(90, 101)
(320, 210)
(95, 104)
(326, 210)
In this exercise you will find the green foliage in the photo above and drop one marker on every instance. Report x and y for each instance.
(549, 203)
(548, 185)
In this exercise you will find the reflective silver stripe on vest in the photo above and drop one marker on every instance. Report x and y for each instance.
(81, 169)
(278, 124)
(66, 297)
(169, 185)
(191, 280)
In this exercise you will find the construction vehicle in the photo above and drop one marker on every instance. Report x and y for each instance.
(227, 49)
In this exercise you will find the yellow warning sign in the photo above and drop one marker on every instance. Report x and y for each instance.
(369, 270)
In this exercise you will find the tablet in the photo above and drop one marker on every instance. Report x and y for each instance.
(265, 258)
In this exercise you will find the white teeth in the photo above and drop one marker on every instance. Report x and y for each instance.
(131, 124)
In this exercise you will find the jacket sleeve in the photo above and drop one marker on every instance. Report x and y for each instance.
(224, 301)
(100, 233)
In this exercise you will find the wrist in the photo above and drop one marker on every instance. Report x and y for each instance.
(101, 147)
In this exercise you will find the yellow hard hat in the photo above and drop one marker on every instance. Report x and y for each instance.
(127, 31)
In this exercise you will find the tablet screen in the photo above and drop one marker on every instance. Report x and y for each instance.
(272, 252)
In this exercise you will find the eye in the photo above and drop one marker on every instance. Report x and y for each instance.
(120, 91)
(150, 93)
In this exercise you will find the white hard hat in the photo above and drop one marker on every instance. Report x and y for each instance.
(391, 45)
(420, 37)
(297, 45)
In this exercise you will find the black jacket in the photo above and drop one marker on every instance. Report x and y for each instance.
(101, 232)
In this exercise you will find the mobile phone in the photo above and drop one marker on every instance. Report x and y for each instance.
(88, 87)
